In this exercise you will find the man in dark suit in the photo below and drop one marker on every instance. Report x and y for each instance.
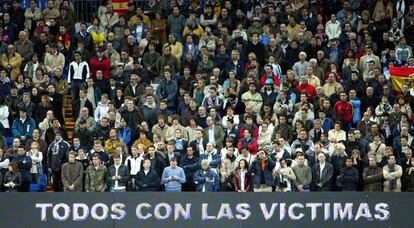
(56, 100)
(322, 174)
(80, 103)
(147, 180)
(214, 134)
(199, 144)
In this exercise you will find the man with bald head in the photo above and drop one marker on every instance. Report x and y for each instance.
(24, 47)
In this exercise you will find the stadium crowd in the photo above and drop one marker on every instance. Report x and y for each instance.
(207, 95)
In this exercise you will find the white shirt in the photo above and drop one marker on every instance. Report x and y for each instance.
(211, 138)
(242, 176)
(321, 167)
(116, 174)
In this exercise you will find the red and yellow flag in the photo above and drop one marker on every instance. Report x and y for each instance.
(401, 76)
(120, 6)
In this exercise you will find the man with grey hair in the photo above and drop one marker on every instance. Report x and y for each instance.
(24, 47)
(206, 179)
(338, 162)
(300, 66)
(317, 71)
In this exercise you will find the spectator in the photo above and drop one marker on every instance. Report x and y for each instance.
(72, 174)
(206, 179)
(167, 89)
(372, 176)
(190, 164)
(13, 178)
(117, 175)
(409, 175)
(349, 177)
(322, 173)
(96, 173)
(261, 170)
(36, 170)
(24, 164)
(303, 175)
(11, 61)
(284, 176)
(147, 180)
(78, 73)
(57, 156)
(392, 175)
(173, 177)
(23, 126)
(211, 154)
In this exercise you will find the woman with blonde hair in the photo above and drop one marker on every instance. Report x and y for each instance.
(37, 157)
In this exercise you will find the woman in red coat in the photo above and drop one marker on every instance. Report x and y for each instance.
(100, 62)
(242, 179)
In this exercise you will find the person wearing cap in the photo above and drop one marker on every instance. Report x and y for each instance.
(57, 156)
(269, 77)
(255, 27)
(84, 134)
(269, 93)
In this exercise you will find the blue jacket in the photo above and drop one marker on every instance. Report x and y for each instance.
(200, 180)
(328, 124)
(215, 159)
(168, 90)
(24, 163)
(25, 128)
(125, 134)
(5, 87)
(256, 169)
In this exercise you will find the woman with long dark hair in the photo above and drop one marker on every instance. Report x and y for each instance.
(13, 179)
(242, 178)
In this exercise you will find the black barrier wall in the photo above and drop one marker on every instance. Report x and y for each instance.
(207, 209)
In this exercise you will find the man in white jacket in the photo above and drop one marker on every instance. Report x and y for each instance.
(333, 28)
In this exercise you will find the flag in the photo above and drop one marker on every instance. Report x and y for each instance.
(120, 6)
(401, 76)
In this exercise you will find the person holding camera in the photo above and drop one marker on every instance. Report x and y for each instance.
(284, 176)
